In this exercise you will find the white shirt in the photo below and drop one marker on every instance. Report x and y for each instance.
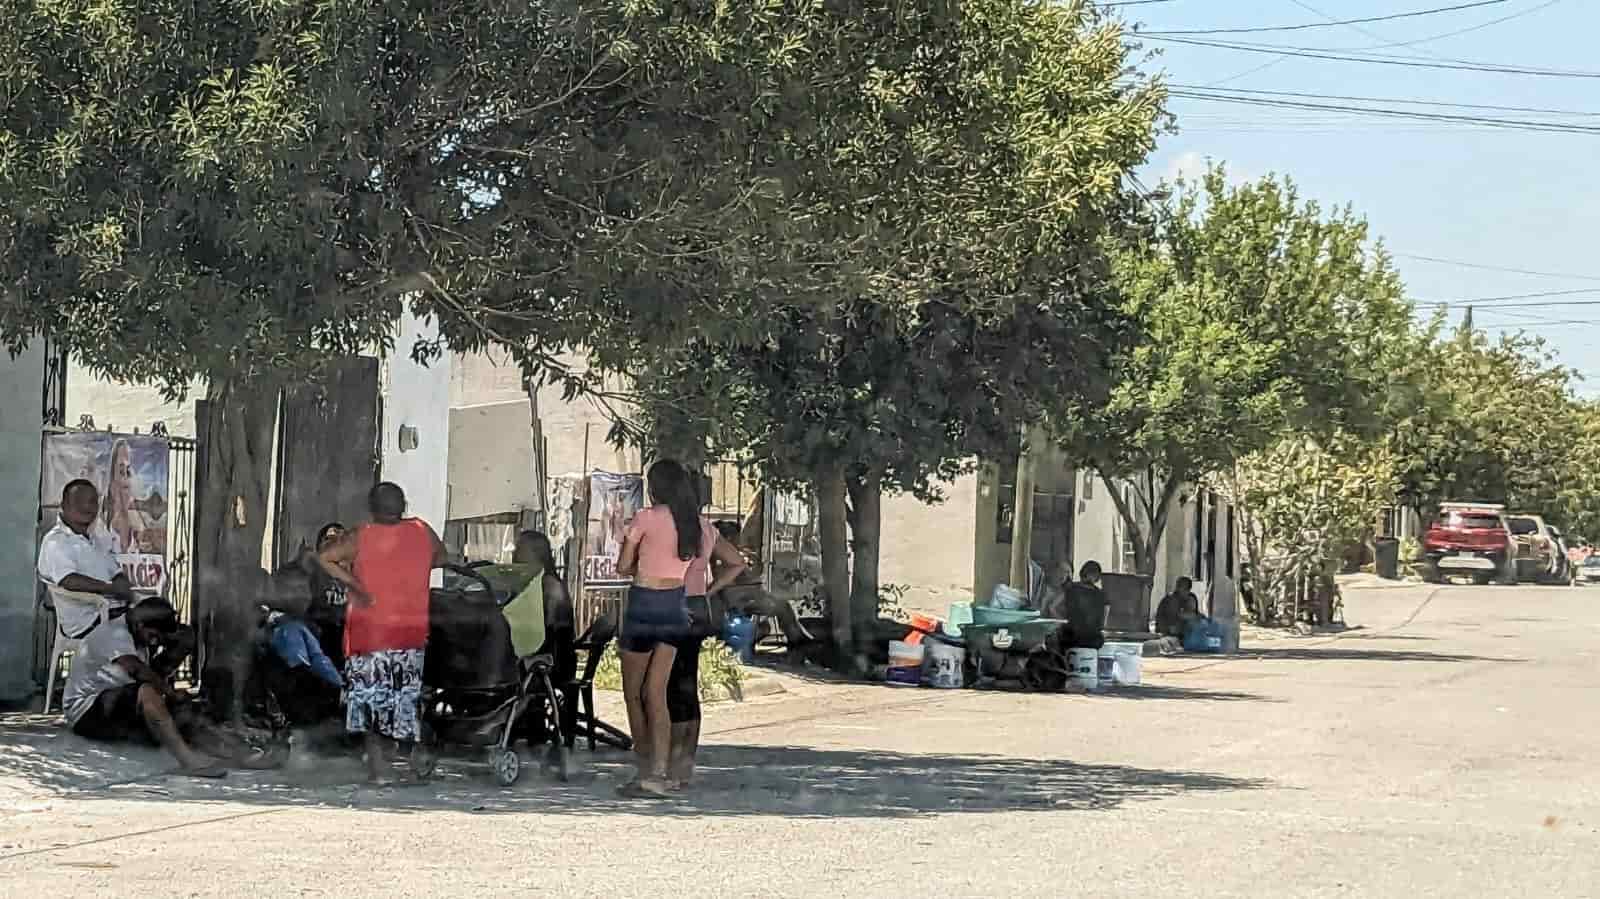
(94, 667)
(65, 551)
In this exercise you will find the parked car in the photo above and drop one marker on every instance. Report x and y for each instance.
(1589, 571)
(1469, 539)
(1539, 553)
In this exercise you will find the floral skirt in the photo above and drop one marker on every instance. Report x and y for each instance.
(383, 693)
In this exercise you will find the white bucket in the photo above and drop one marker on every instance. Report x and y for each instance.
(905, 664)
(943, 664)
(1085, 667)
(1125, 662)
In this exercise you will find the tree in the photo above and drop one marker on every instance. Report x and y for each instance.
(1300, 503)
(1258, 315)
(242, 191)
(961, 192)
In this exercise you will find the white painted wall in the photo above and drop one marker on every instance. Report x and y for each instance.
(123, 407)
(419, 397)
(21, 381)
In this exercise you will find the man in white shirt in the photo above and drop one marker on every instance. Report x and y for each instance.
(72, 560)
(115, 694)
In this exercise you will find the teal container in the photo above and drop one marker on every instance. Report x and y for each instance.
(985, 615)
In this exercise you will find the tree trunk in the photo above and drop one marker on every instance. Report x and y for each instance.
(1146, 530)
(866, 528)
(242, 420)
(832, 532)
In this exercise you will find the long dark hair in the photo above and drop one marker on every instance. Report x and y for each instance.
(671, 486)
(538, 544)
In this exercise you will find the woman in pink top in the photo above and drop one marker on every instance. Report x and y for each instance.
(660, 543)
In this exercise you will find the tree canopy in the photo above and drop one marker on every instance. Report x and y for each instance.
(1257, 313)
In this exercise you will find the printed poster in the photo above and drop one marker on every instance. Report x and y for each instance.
(130, 471)
(613, 501)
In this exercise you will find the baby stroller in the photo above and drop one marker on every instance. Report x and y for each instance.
(476, 692)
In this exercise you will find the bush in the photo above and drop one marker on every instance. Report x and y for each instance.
(719, 668)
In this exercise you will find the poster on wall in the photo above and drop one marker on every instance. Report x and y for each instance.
(130, 471)
(613, 501)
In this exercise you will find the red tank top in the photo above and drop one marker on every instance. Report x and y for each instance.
(394, 563)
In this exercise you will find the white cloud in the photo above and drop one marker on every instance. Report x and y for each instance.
(1191, 166)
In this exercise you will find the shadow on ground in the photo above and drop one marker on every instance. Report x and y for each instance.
(734, 780)
(1326, 653)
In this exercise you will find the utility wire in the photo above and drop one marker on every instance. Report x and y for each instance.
(1406, 102)
(1495, 268)
(1404, 15)
(1449, 34)
(1381, 59)
(1499, 301)
(1482, 121)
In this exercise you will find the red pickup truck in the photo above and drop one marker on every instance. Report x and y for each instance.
(1469, 539)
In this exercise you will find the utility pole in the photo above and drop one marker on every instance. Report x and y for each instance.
(1466, 322)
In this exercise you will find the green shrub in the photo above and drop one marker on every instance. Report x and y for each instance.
(719, 667)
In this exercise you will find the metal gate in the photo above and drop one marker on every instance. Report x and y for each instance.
(182, 487)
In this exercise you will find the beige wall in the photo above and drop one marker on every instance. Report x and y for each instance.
(124, 407)
(928, 548)
(482, 378)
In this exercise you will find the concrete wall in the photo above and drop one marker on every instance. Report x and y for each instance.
(417, 396)
(21, 380)
(492, 462)
(123, 407)
(1099, 529)
(487, 378)
(924, 546)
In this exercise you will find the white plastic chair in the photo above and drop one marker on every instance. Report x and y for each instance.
(64, 644)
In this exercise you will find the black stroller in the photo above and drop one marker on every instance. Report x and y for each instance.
(476, 693)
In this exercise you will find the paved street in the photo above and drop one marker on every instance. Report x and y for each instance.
(1443, 748)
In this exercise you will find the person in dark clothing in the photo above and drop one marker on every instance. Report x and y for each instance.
(1085, 606)
(1177, 609)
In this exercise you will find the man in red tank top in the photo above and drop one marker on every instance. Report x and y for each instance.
(386, 566)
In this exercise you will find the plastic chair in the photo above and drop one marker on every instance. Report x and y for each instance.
(64, 644)
(578, 694)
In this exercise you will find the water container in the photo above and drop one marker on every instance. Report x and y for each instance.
(1126, 668)
(1085, 667)
(905, 664)
(960, 616)
(740, 634)
(943, 663)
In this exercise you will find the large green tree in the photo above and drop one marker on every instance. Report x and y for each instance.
(1259, 315)
(961, 171)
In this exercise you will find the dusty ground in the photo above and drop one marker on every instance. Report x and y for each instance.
(1441, 749)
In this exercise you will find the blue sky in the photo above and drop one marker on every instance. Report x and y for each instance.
(1496, 198)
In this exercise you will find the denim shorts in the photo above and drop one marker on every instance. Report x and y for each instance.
(653, 617)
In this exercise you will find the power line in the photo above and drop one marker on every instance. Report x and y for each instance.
(1407, 102)
(1457, 33)
(1482, 121)
(1494, 268)
(1404, 15)
(1498, 302)
(1380, 59)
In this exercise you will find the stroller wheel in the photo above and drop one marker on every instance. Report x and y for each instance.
(507, 767)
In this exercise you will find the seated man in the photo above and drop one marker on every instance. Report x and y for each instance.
(1177, 609)
(1086, 607)
(748, 595)
(115, 693)
(73, 559)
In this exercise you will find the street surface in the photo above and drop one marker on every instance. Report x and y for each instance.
(1444, 747)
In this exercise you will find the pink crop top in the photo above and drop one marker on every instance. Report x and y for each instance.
(698, 578)
(657, 535)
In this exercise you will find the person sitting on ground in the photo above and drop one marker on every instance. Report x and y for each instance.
(74, 559)
(1177, 609)
(386, 566)
(326, 610)
(1086, 607)
(115, 693)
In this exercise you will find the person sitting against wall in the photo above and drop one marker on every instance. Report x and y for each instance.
(1177, 610)
(75, 560)
(1086, 607)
